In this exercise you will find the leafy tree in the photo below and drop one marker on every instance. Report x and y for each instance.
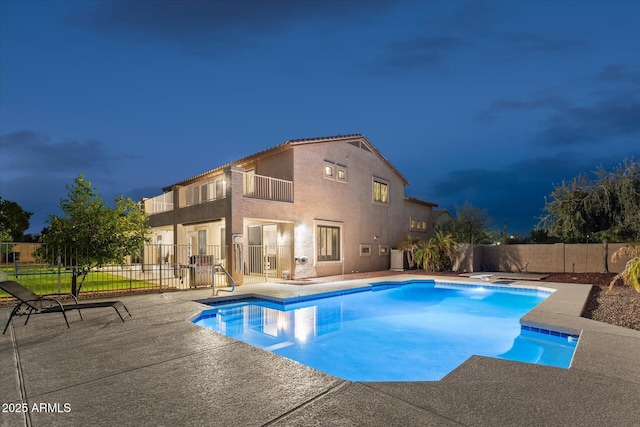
(470, 225)
(5, 248)
(631, 274)
(14, 220)
(541, 235)
(603, 208)
(437, 253)
(90, 234)
(5, 236)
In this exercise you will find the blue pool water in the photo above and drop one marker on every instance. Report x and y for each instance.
(416, 331)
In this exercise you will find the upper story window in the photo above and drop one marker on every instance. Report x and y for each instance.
(205, 191)
(342, 173)
(335, 171)
(249, 182)
(329, 170)
(380, 191)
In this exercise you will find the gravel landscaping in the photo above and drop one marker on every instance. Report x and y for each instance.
(620, 307)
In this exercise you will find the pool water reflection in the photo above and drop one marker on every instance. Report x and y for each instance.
(417, 331)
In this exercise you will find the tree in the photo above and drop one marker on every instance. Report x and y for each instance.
(14, 220)
(90, 234)
(409, 247)
(631, 274)
(437, 253)
(603, 208)
(470, 225)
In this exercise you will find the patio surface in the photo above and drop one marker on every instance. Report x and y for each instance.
(158, 369)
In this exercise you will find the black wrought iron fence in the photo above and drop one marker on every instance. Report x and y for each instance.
(157, 268)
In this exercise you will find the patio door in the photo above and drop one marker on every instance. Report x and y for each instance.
(266, 260)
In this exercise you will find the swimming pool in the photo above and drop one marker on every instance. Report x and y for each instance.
(398, 331)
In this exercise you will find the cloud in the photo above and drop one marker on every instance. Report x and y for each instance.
(476, 18)
(615, 116)
(37, 193)
(542, 100)
(619, 73)
(515, 191)
(604, 116)
(36, 169)
(32, 152)
(219, 24)
(531, 43)
(440, 37)
(419, 52)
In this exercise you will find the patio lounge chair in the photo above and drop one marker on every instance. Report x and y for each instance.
(30, 303)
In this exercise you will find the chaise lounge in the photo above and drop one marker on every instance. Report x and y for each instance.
(31, 303)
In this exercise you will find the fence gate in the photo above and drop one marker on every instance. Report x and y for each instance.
(267, 263)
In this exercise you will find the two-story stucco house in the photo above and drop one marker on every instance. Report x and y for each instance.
(304, 208)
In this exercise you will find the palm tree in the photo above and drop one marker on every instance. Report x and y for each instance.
(631, 274)
(437, 253)
(446, 246)
(427, 255)
(409, 247)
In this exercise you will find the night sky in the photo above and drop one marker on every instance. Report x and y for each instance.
(488, 102)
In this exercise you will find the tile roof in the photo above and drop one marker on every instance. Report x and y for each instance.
(420, 202)
(292, 142)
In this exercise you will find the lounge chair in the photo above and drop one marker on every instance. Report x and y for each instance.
(30, 303)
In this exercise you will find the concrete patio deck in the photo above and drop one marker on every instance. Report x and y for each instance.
(159, 369)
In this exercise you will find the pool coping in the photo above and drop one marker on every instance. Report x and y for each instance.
(566, 299)
(526, 324)
(560, 312)
(550, 331)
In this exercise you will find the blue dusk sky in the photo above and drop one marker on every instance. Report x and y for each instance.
(491, 102)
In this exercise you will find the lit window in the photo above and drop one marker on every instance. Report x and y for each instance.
(328, 243)
(220, 187)
(380, 191)
(329, 170)
(384, 250)
(342, 173)
(418, 224)
(195, 190)
(250, 182)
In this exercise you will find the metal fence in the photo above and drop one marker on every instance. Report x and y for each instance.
(156, 268)
(267, 262)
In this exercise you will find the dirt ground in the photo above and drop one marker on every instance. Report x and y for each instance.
(621, 307)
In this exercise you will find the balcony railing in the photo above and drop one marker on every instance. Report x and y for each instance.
(158, 204)
(268, 188)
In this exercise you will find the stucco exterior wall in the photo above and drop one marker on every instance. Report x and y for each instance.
(349, 205)
(278, 165)
(368, 229)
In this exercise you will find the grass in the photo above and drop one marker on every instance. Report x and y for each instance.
(42, 280)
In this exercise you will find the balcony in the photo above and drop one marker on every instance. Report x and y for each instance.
(158, 204)
(267, 188)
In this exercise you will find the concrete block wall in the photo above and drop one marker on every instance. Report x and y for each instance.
(551, 258)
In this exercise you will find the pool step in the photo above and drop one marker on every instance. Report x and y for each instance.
(228, 315)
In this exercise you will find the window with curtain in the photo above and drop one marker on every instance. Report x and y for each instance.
(380, 191)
